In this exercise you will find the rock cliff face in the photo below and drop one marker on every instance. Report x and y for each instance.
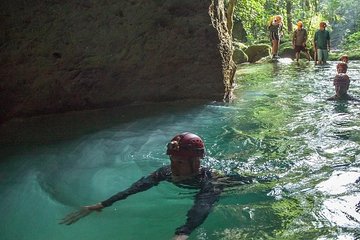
(58, 55)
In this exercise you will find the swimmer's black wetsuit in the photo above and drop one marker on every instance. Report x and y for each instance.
(343, 97)
(210, 189)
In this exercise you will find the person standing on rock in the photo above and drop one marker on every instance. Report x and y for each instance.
(275, 31)
(299, 41)
(322, 44)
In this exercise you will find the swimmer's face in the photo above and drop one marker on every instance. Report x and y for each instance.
(184, 166)
(341, 69)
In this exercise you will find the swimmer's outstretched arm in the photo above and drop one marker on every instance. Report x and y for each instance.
(83, 212)
(180, 237)
(141, 185)
(204, 201)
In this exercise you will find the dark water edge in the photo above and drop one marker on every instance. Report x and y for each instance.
(31, 132)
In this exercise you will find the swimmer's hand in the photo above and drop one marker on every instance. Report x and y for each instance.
(180, 237)
(83, 212)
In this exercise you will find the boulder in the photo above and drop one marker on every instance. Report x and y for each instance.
(240, 56)
(239, 45)
(257, 51)
(287, 52)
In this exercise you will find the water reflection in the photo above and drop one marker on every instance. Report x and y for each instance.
(340, 208)
(280, 125)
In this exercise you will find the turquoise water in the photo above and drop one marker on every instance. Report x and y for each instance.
(279, 125)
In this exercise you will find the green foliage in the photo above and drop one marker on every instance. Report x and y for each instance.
(350, 46)
(341, 16)
(351, 42)
(253, 16)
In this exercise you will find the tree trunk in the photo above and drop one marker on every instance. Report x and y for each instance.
(229, 16)
(288, 15)
(239, 31)
(316, 4)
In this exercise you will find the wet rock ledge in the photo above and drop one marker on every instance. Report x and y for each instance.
(59, 56)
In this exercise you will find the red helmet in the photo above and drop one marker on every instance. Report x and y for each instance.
(186, 145)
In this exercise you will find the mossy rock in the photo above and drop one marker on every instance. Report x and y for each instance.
(257, 51)
(263, 41)
(287, 52)
(240, 56)
(354, 55)
(239, 45)
(284, 45)
(334, 56)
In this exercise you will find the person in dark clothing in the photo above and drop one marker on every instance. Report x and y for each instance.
(185, 151)
(341, 83)
(275, 31)
(299, 41)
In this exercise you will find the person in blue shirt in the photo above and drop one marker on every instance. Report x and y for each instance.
(185, 151)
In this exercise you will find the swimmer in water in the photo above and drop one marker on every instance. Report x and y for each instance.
(185, 151)
(341, 83)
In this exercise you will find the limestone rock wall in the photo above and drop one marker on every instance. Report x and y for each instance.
(61, 55)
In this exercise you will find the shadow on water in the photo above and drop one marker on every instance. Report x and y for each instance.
(27, 133)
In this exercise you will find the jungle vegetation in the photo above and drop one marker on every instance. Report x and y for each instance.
(342, 16)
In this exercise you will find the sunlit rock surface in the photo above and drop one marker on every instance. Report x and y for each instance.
(58, 56)
(257, 51)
